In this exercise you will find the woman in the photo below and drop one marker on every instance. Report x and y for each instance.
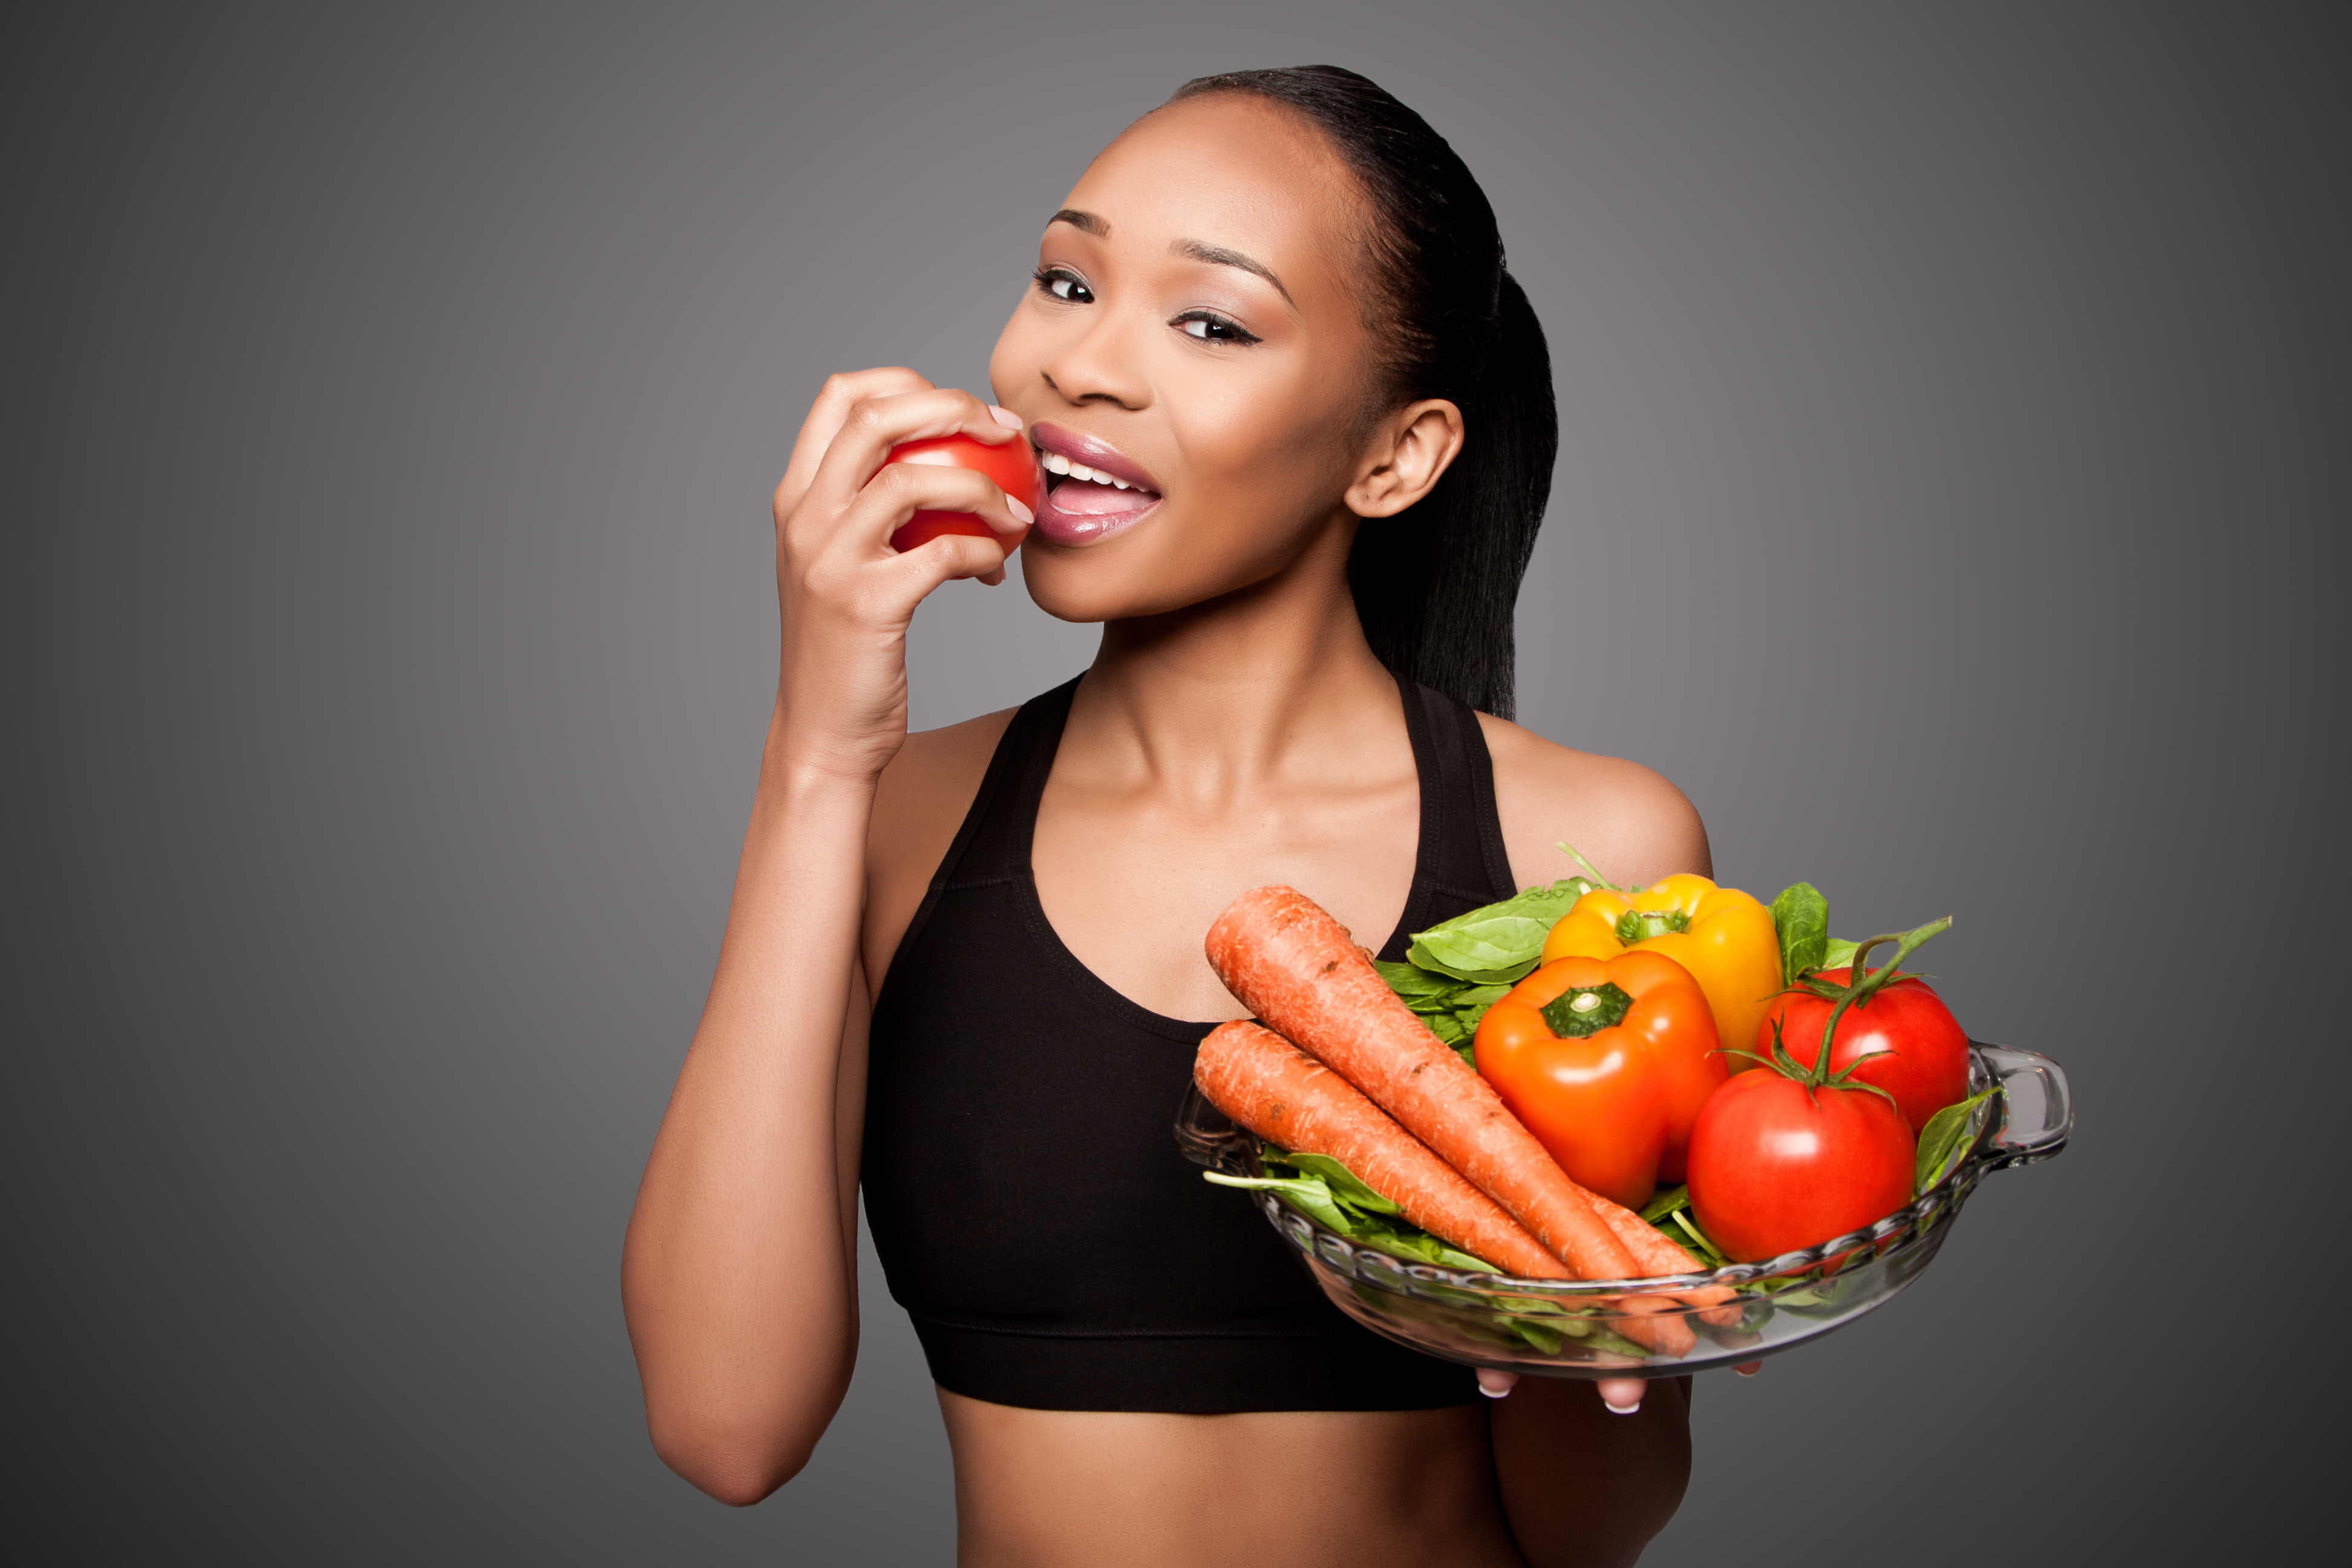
(1273, 325)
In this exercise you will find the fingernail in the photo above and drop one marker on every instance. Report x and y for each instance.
(1005, 416)
(1493, 1392)
(1748, 1368)
(1021, 514)
(1623, 1409)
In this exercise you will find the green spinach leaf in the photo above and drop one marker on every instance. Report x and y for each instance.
(1332, 1196)
(1421, 989)
(1941, 1139)
(1398, 1239)
(1500, 944)
(1471, 1006)
(1801, 915)
(1703, 1244)
(1307, 1195)
(1665, 1203)
(1346, 1189)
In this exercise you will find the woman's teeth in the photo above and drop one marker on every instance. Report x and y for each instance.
(1057, 464)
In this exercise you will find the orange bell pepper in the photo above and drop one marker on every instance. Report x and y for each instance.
(1608, 1064)
(1723, 936)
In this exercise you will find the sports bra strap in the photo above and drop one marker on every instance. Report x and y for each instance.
(998, 833)
(1461, 860)
(1459, 863)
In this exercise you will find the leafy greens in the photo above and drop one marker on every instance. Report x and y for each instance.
(1500, 944)
(1328, 1192)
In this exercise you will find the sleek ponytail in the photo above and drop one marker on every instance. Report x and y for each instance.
(1436, 585)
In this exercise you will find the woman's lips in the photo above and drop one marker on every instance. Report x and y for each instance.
(1093, 489)
(1094, 453)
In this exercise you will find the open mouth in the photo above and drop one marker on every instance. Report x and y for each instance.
(1092, 489)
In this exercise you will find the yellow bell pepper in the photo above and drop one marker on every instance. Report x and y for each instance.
(1723, 936)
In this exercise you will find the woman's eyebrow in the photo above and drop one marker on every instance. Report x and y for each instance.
(1084, 222)
(1218, 255)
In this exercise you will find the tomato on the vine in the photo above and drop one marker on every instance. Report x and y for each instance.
(1901, 1037)
(1813, 1147)
(1012, 465)
(1778, 1164)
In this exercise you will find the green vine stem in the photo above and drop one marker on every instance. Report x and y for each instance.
(1818, 1076)
(1860, 986)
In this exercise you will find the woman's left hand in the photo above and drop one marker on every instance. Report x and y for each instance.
(1621, 1395)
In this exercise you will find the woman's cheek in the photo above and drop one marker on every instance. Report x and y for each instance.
(1012, 364)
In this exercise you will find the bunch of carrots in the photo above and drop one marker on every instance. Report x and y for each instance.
(1340, 1067)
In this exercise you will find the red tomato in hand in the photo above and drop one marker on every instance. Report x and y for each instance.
(1774, 1168)
(1925, 1066)
(1013, 466)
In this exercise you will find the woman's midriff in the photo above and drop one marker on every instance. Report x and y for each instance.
(1039, 1488)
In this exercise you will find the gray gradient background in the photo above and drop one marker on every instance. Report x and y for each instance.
(394, 399)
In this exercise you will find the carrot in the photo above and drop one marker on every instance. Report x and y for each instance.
(1297, 968)
(1654, 1252)
(1657, 1253)
(1286, 1097)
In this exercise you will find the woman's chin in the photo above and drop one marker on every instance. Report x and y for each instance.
(1090, 586)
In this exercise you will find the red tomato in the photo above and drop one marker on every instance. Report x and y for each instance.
(1773, 1168)
(1927, 1065)
(1013, 466)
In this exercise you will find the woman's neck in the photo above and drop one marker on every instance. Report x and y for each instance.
(1270, 681)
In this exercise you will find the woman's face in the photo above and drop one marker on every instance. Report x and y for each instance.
(1195, 333)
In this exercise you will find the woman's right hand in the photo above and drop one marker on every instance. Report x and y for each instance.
(845, 596)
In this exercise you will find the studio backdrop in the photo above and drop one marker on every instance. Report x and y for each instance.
(1951, 426)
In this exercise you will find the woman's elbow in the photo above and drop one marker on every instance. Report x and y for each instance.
(733, 1444)
(736, 1424)
(737, 1465)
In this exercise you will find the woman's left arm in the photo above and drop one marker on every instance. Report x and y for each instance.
(1582, 1486)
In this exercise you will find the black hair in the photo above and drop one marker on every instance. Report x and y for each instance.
(1435, 585)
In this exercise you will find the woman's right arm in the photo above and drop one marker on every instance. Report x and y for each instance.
(740, 1273)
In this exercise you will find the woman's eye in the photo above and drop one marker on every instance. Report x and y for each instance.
(1065, 286)
(1210, 327)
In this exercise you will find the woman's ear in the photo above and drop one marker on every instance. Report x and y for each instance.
(1408, 454)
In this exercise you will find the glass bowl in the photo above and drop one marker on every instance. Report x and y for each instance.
(1616, 1328)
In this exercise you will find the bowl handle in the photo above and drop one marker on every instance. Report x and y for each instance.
(1208, 1137)
(2037, 1112)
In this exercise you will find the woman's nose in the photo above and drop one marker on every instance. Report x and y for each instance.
(1105, 362)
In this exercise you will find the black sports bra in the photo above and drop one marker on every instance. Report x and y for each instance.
(1022, 1180)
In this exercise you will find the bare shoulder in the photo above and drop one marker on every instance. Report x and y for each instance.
(1629, 820)
(919, 804)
